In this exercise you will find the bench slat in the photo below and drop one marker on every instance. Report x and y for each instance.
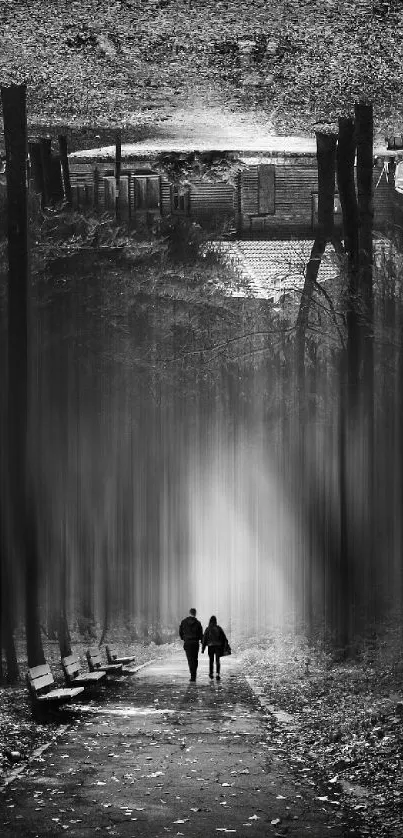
(38, 671)
(95, 663)
(40, 684)
(113, 657)
(88, 677)
(61, 694)
(71, 660)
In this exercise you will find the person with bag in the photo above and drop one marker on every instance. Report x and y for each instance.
(191, 632)
(215, 640)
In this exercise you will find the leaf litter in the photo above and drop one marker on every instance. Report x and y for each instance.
(346, 735)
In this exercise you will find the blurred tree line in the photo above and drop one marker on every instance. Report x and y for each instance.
(122, 363)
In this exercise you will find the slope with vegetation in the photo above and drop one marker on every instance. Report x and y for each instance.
(131, 63)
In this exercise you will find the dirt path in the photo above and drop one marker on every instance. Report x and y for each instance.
(159, 756)
(204, 126)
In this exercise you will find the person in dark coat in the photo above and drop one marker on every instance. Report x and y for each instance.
(191, 632)
(214, 638)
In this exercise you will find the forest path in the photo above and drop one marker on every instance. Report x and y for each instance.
(204, 126)
(158, 755)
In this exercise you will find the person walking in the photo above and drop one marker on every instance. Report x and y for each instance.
(214, 638)
(191, 632)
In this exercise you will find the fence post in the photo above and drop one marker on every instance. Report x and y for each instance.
(46, 153)
(64, 163)
(118, 168)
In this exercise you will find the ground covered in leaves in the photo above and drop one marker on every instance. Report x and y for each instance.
(20, 735)
(339, 723)
(132, 62)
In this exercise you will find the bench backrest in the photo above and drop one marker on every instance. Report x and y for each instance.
(111, 653)
(40, 679)
(94, 658)
(71, 665)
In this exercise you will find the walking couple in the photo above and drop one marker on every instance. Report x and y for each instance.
(191, 632)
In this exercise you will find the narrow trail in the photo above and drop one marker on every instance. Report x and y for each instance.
(159, 756)
(204, 126)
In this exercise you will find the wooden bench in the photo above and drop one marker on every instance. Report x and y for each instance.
(95, 663)
(42, 688)
(113, 657)
(72, 672)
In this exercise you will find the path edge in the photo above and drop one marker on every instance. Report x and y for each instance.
(60, 731)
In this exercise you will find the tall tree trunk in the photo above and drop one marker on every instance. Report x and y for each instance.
(349, 376)
(326, 160)
(2, 603)
(365, 156)
(35, 652)
(118, 168)
(346, 150)
(24, 530)
(8, 640)
(105, 590)
(63, 627)
(343, 588)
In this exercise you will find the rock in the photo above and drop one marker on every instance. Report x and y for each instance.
(399, 708)
(272, 46)
(106, 46)
(252, 80)
(245, 47)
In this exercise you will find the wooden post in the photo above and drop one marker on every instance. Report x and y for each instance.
(118, 168)
(64, 163)
(57, 193)
(36, 169)
(46, 153)
(96, 181)
(15, 137)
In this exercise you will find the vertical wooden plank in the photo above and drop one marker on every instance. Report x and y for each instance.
(46, 152)
(64, 162)
(110, 193)
(124, 197)
(140, 193)
(153, 192)
(36, 169)
(57, 193)
(266, 189)
(82, 195)
(96, 180)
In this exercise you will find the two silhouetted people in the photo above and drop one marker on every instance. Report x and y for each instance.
(191, 632)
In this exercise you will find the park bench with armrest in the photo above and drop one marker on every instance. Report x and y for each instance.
(73, 675)
(95, 663)
(42, 687)
(113, 657)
